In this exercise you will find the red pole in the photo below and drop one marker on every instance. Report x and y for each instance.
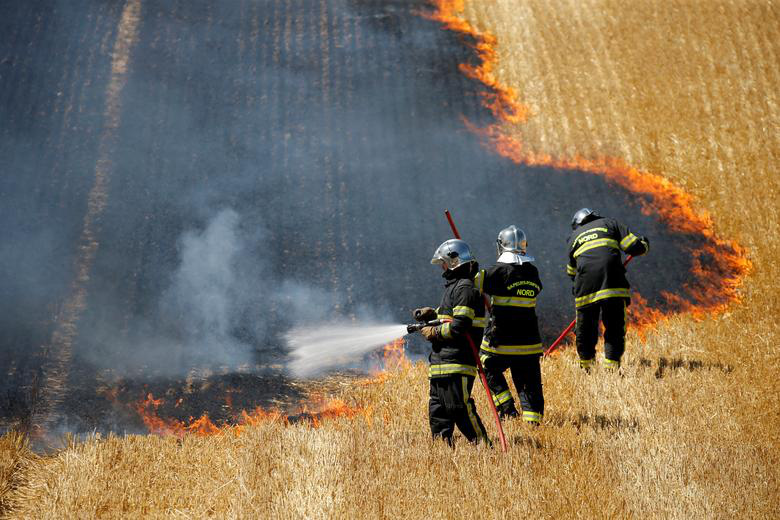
(475, 352)
(574, 321)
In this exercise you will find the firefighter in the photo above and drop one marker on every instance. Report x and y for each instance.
(512, 339)
(600, 284)
(452, 365)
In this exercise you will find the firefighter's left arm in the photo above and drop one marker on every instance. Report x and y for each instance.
(466, 301)
(631, 243)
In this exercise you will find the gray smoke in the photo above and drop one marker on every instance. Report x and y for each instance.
(208, 294)
(225, 307)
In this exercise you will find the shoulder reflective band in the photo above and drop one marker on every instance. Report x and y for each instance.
(462, 310)
(571, 271)
(599, 242)
(627, 241)
(601, 295)
(451, 368)
(443, 316)
(512, 301)
(513, 350)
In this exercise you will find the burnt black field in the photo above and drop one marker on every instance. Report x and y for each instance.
(318, 141)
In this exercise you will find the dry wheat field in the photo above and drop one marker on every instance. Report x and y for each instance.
(684, 90)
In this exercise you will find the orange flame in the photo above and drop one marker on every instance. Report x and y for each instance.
(500, 99)
(314, 413)
(394, 357)
(316, 410)
(714, 284)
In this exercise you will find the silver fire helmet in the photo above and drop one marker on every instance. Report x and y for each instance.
(511, 240)
(452, 253)
(583, 216)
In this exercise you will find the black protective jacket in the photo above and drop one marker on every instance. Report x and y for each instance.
(462, 304)
(595, 262)
(513, 289)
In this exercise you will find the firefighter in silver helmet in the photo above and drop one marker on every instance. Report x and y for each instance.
(600, 285)
(452, 365)
(512, 339)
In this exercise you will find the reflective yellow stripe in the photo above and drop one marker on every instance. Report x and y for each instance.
(603, 294)
(532, 416)
(611, 363)
(462, 310)
(627, 241)
(479, 280)
(591, 230)
(513, 301)
(601, 242)
(586, 363)
(445, 331)
(502, 398)
(451, 368)
(570, 270)
(481, 433)
(443, 316)
(479, 323)
(513, 350)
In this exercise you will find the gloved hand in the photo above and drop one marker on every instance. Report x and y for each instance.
(430, 333)
(424, 314)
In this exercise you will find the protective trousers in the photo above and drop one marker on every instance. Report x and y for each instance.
(613, 315)
(451, 404)
(527, 376)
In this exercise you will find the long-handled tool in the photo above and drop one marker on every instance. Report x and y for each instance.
(574, 322)
(480, 369)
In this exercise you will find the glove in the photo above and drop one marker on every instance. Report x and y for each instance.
(430, 333)
(424, 314)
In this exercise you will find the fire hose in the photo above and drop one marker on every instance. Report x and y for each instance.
(475, 352)
(574, 322)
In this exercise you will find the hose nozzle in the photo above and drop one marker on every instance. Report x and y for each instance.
(417, 327)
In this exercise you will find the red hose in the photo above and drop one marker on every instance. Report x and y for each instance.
(475, 352)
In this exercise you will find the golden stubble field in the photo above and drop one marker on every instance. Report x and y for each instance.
(687, 90)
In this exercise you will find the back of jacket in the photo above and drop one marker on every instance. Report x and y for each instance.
(595, 261)
(513, 289)
(462, 304)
